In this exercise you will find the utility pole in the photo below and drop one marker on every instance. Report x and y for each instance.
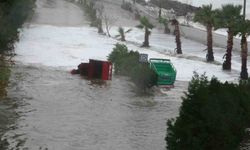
(244, 10)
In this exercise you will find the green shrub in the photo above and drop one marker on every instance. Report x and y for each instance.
(127, 63)
(127, 6)
(143, 76)
(213, 116)
(116, 56)
(13, 14)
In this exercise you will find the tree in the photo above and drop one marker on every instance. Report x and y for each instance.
(228, 17)
(213, 116)
(100, 10)
(165, 23)
(108, 20)
(244, 30)
(144, 23)
(206, 16)
(122, 34)
(177, 35)
(160, 10)
(13, 13)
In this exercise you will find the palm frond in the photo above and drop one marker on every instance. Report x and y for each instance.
(140, 26)
(117, 36)
(205, 15)
(129, 30)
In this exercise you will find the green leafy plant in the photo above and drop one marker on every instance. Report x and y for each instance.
(127, 63)
(147, 26)
(13, 13)
(206, 16)
(213, 116)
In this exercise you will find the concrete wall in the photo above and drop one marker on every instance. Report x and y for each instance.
(201, 36)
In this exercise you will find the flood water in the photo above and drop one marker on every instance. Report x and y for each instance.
(47, 108)
(51, 109)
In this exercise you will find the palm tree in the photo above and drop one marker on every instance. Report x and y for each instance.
(206, 16)
(99, 25)
(122, 34)
(244, 30)
(144, 23)
(160, 10)
(177, 35)
(227, 17)
(165, 22)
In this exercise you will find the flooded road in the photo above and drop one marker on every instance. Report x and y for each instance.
(49, 109)
(58, 13)
(58, 111)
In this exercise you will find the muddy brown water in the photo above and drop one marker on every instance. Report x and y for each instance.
(48, 108)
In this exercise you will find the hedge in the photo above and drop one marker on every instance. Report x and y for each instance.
(213, 116)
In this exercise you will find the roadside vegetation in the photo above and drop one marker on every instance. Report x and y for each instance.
(4, 77)
(13, 13)
(127, 63)
(228, 17)
(147, 26)
(206, 16)
(213, 115)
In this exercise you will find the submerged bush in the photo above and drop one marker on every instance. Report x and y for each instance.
(213, 116)
(143, 76)
(4, 77)
(127, 63)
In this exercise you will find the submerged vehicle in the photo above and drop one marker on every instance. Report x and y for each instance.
(165, 70)
(95, 69)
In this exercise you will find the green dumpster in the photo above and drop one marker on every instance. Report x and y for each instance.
(164, 69)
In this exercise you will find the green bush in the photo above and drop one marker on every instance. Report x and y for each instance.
(13, 14)
(116, 56)
(127, 63)
(127, 6)
(143, 76)
(213, 116)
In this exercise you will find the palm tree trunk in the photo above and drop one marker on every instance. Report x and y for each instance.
(166, 29)
(146, 38)
(177, 36)
(227, 62)
(123, 37)
(244, 74)
(159, 13)
(210, 55)
(99, 24)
